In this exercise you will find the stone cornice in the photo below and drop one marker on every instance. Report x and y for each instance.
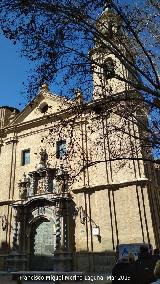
(38, 121)
(52, 197)
(73, 110)
(112, 186)
(49, 197)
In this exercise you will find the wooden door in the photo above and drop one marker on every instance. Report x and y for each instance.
(42, 246)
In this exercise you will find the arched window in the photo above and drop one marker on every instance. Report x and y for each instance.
(43, 107)
(108, 68)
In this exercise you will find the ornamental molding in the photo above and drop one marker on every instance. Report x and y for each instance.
(114, 185)
(11, 140)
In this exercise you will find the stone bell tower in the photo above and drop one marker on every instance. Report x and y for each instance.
(110, 67)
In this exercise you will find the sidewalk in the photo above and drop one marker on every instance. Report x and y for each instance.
(90, 278)
(7, 279)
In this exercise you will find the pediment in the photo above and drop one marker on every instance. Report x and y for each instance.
(44, 104)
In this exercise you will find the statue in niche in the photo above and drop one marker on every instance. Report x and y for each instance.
(4, 222)
(22, 193)
(43, 158)
(41, 186)
(61, 180)
(23, 184)
(59, 185)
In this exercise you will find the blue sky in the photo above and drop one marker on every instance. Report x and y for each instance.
(13, 72)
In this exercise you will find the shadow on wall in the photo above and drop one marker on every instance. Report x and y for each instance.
(94, 261)
(81, 261)
(4, 250)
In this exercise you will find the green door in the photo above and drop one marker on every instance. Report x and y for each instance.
(42, 246)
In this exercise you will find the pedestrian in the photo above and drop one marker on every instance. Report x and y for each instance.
(157, 273)
(156, 254)
(124, 270)
(131, 258)
(145, 266)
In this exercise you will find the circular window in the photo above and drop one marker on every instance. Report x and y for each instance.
(44, 108)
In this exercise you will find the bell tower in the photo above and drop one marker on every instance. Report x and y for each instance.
(109, 56)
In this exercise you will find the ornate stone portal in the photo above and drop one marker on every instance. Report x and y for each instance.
(44, 217)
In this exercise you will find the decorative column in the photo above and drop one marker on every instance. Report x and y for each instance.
(58, 257)
(46, 183)
(58, 227)
(63, 255)
(16, 230)
(23, 185)
(14, 260)
(31, 188)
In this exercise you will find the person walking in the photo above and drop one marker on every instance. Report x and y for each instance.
(145, 266)
(156, 254)
(157, 273)
(124, 270)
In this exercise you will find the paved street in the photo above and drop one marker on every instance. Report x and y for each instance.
(7, 279)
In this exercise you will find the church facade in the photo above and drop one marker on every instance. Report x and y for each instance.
(73, 183)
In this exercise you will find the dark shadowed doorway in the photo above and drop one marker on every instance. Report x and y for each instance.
(42, 245)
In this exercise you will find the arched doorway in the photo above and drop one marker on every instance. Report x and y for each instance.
(42, 245)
